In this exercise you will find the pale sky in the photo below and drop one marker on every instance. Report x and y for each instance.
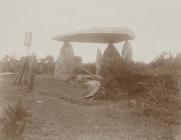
(156, 23)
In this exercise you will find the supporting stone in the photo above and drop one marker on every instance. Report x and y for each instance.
(64, 66)
(127, 53)
(110, 56)
(99, 62)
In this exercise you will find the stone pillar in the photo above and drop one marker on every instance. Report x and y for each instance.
(99, 62)
(127, 53)
(64, 66)
(110, 56)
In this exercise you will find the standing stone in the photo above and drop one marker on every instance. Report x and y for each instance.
(111, 56)
(64, 66)
(99, 62)
(127, 53)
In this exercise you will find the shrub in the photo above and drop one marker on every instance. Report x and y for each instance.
(154, 86)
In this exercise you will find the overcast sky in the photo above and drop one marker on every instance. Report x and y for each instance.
(156, 23)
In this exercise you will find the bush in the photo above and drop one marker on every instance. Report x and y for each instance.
(154, 86)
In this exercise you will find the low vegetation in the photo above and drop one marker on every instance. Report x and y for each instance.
(153, 88)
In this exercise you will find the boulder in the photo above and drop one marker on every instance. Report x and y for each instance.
(93, 88)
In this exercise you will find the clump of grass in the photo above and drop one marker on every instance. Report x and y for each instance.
(162, 100)
(14, 122)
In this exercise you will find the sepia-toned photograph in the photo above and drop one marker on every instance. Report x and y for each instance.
(90, 70)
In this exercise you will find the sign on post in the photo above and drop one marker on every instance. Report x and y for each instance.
(27, 41)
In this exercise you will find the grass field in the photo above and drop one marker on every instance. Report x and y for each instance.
(60, 112)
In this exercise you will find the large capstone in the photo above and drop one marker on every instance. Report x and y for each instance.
(64, 66)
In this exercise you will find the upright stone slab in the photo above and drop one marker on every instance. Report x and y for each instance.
(99, 62)
(110, 56)
(64, 66)
(127, 53)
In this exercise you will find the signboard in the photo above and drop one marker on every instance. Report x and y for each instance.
(27, 41)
